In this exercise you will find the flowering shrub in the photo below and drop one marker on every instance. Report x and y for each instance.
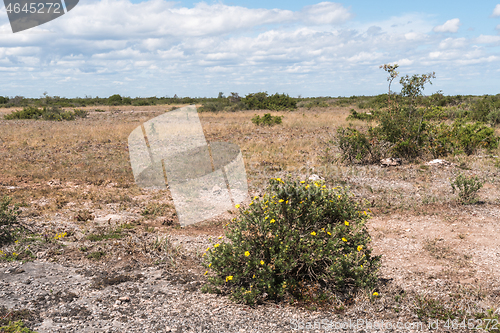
(298, 235)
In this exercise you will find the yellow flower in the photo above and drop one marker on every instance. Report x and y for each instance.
(262, 262)
(16, 241)
(237, 206)
(247, 253)
(343, 238)
(251, 203)
(14, 253)
(324, 186)
(272, 221)
(229, 278)
(208, 248)
(301, 201)
(360, 247)
(253, 277)
(209, 265)
(346, 223)
(256, 197)
(216, 245)
(375, 294)
(313, 233)
(302, 181)
(364, 212)
(265, 218)
(361, 266)
(206, 273)
(281, 200)
(339, 196)
(307, 186)
(323, 229)
(316, 184)
(328, 232)
(286, 201)
(220, 237)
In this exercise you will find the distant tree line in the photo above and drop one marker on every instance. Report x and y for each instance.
(478, 108)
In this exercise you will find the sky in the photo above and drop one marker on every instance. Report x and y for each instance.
(301, 48)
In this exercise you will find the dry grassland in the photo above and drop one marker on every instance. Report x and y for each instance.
(432, 247)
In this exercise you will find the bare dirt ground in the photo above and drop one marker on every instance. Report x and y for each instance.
(107, 256)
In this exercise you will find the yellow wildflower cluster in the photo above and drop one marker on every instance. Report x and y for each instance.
(229, 278)
(61, 235)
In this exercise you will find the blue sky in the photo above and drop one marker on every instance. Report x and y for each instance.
(308, 48)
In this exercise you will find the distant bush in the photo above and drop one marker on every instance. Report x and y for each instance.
(47, 113)
(143, 102)
(360, 115)
(267, 120)
(80, 113)
(3, 100)
(29, 112)
(276, 102)
(115, 100)
(317, 102)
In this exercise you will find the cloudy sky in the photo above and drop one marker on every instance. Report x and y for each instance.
(308, 48)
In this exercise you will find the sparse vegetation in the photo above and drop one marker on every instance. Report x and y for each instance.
(467, 188)
(47, 113)
(8, 220)
(267, 120)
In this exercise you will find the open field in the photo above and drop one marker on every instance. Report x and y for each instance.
(440, 260)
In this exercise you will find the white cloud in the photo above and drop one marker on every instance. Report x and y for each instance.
(487, 39)
(496, 11)
(453, 43)
(325, 13)
(449, 26)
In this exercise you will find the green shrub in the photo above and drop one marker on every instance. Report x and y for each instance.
(267, 120)
(16, 327)
(276, 102)
(356, 147)
(467, 188)
(4, 100)
(494, 117)
(80, 113)
(471, 137)
(8, 220)
(57, 114)
(47, 113)
(299, 237)
(29, 112)
(360, 115)
(115, 100)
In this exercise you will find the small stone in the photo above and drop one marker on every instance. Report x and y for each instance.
(386, 162)
(315, 177)
(124, 299)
